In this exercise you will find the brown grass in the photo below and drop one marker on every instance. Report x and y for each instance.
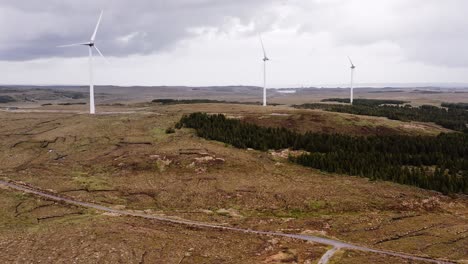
(126, 160)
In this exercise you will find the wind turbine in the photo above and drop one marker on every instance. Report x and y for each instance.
(353, 67)
(91, 45)
(265, 59)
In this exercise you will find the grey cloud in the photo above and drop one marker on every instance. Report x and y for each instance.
(33, 29)
(430, 31)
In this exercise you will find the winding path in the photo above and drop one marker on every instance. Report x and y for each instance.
(337, 245)
(327, 256)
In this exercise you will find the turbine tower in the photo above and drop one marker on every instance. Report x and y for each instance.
(91, 45)
(265, 59)
(353, 67)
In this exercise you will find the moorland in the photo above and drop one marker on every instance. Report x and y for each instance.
(139, 155)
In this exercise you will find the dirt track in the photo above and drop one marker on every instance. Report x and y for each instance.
(330, 242)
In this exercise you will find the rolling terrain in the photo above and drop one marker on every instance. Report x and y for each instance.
(125, 160)
(33, 96)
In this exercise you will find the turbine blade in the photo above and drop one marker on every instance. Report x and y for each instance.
(100, 53)
(93, 37)
(350, 61)
(263, 48)
(71, 45)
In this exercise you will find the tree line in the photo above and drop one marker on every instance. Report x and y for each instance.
(437, 163)
(463, 106)
(6, 99)
(451, 118)
(368, 102)
(202, 101)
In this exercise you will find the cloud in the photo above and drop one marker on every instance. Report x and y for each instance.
(429, 31)
(433, 32)
(33, 29)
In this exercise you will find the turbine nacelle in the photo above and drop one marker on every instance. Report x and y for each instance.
(265, 57)
(352, 64)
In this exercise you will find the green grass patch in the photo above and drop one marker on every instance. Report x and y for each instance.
(91, 183)
(159, 134)
(316, 205)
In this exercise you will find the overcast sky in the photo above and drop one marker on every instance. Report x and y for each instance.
(215, 42)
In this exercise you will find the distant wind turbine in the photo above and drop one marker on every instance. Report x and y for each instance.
(91, 45)
(353, 67)
(265, 59)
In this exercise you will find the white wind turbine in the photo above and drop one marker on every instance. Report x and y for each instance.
(91, 45)
(265, 59)
(353, 67)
